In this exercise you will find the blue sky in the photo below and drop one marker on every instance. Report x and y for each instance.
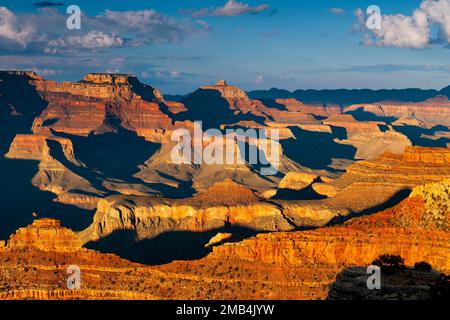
(255, 44)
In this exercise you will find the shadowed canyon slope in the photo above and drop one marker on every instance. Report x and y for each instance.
(296, 265)
(352, 181)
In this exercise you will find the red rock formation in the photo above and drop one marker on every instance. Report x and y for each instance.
(294, 265)
(368, 184)
(29, 147)
(225, 193)
(430, 156)
(352, 126)
(85, 107)
(417, 229)
(52, 175)
(45, 235)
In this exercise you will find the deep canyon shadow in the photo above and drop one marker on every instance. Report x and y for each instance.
(315, 150)
(362, 115)
(115, 154)
(19, 105)
(212, 109)
(166, 247)
(390, 203)
(416, 135)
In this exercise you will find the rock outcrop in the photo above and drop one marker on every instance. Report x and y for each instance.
(89, 105)
(297, 180)
(213, 209)
(408, 284)
(367, 185)
(398, 231)
(294, 265)
(427, 156)
(432, 111)
(223, 206)
(46, 235)
(227, 91)
(53, 173)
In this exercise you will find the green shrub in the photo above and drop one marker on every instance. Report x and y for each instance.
(423, 266)
(389, 264)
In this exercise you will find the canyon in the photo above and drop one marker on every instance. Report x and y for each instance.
(88, 179)
(295, 265)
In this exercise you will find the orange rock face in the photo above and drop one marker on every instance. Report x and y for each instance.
(297, 180)
(433, 156)
(368, 184)
(30, 147)
(295, 265)
(417, 229)
(132, 207)
(85, 107)
(45, 235)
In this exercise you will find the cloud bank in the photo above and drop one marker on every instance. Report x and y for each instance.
(413, 31)
(46, 31)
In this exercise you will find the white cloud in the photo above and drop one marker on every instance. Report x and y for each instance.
(90, 40)
(439, 13)
(139, 19)
(149, 26)
(45, 31)
(413, 31)
(230, 9)
(404, 31)
(167, 74)
(14, 33)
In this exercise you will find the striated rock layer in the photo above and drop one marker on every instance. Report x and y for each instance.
(295, 265)
(367, 186)
(90, 105)
(31, 272)
(223, 204)
(45, 235)
(417, 229)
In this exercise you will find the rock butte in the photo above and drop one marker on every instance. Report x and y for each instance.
(45, 235)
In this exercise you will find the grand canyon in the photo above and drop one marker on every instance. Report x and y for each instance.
(87, 179)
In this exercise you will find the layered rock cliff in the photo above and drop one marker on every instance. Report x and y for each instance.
(295, 265)
(367, 185)
(45, 235)
(92, 104)
(417, 229)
